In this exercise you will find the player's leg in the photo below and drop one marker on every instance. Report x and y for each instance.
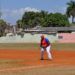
(42, 53)
(48, 50)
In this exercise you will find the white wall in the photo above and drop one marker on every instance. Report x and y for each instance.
(28, 38)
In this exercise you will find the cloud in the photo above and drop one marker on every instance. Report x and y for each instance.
(22, 10)
(16, 14)
(31, 9)
(61, 10)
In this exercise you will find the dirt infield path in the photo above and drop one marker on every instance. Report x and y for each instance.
(31, 59)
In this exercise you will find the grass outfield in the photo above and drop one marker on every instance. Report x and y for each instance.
(23, 46)
(44, 71)
(63, 46)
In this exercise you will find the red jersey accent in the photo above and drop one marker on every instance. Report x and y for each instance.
(44, 43)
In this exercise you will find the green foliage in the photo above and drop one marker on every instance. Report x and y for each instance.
(44, 19)
(57, 20)
(2, 22)
(19, 24)
(71, 10)
(2, 26)
(29, 19)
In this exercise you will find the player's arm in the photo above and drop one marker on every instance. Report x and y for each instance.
(48, 42)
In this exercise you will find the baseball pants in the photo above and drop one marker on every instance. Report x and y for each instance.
(48, 50)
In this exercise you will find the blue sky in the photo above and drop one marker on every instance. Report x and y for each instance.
(12, 10)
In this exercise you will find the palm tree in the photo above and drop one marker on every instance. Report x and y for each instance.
(71, 10)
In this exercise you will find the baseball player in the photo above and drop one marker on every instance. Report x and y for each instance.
(45, 46)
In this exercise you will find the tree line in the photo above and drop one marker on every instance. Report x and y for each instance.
(44, 19)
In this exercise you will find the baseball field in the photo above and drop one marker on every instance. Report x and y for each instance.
(24, 59)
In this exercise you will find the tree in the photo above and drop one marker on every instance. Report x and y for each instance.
(19, 24)
(32, 19)
(43, 18)
(2, 27)
(28, 19)
(71, 10)
(56, 20)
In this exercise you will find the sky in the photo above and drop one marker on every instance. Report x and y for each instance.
(12, 10)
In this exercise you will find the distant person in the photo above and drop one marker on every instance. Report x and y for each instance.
(45, 46)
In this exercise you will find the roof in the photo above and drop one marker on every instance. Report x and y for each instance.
(56, 29)
(53, 29)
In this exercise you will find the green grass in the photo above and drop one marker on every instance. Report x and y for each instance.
(43, 71)
(19, 46)
(64, 46)
(24, 46)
